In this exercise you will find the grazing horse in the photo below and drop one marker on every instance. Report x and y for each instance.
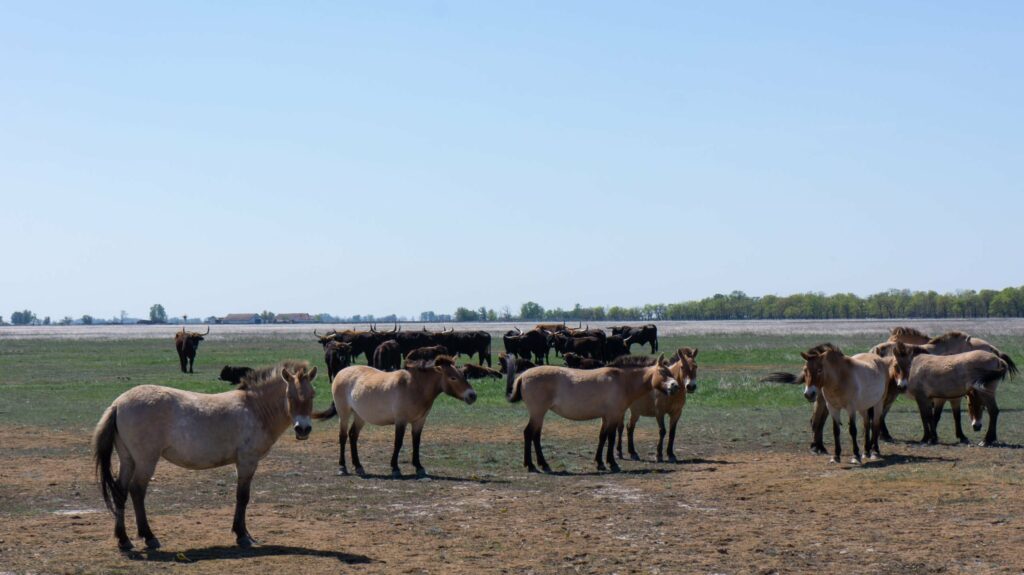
(187, 344)
(396, 398)
(197, 431)
(656, 405)
(585, 394)
(234, 375)
(946, 377)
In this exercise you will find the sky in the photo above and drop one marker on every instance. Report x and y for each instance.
(391, 157)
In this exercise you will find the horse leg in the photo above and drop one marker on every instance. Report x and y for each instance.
(399, 438)
(937, 406)
(417, 430)
(672, 421)
(120, 496)
(661, 436)
(536, 444)
(954, 405)
(818, 419)
(853, 437)
(137, 489)
(353, 440)
(245, 469)
(835, 438)
(611, 437)
(891, 394)
(343, 434)
(633, 418)
(924, 408)
(993, 415)
(600, 446)
(528, 446)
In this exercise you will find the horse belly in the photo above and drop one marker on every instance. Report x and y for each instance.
(375, 410)
(581, 402)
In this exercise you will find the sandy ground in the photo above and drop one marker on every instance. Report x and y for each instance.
(944, 509)
(990, 327)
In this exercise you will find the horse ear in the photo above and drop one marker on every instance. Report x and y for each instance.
(286, 375)
(805, 355)
(661, 359)
(312, 373)
(694, 354)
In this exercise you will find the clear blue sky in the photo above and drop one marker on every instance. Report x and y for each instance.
(389, 157)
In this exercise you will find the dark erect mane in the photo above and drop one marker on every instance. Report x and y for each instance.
(423, 364)
(949, 337)
(628, 361)
(822, 348)
(259, 377)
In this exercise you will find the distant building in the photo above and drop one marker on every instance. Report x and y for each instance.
(241, 318)
(293, 318)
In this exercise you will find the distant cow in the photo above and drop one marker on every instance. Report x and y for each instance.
(535, 343)
(470, 371)
(337, 356)
(234, 375)
(426, 353)
(614, 346)
(639, 334)
(578, 362)
(521, 364)
(588, 346)
(467, 343)
(387, 356)
(187, 342)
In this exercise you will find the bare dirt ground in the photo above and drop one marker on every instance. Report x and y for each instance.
(998, 327)
(944, 509)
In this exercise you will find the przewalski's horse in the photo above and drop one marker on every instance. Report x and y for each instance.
(398, 398)
(946, 377)
(854, 384)
(657, 405)
(198, 431)
(234, 374)
(187, 344)
(582, 395)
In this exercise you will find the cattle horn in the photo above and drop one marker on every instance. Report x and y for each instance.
(207, 330)
(518, 330)
(373, 328)
(315, 334)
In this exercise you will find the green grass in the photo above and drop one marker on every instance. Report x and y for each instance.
(67, 384)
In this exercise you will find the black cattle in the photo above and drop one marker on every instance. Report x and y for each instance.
(187, 343)
(521, 364)
(535, 343)
(387, 356)
(337, 356)
(470, 371)
(410, 340)
(639, 334)
(578, 362)
(426, 353)
(234, 375)
(588, 346)
(468, 343)
(614, 346)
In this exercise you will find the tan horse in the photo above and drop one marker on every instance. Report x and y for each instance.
(198, 431)
(581, 395)
(948, 377)
(658, 405)
(398, 398)
(854, 384)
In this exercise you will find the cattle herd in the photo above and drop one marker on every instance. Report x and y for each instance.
(409, 369)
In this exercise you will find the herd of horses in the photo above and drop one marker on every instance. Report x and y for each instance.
(600, 381)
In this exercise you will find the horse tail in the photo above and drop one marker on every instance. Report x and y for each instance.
(983, 376)
(1010, 366)
(327, 413)
(102, 451)
(782, 377)
(513, 384)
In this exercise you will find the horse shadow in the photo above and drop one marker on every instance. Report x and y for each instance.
(221, 552)
(595, 473)
(900, 459)
(431, 477)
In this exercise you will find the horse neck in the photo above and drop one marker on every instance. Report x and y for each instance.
(269, 402)
(639, 381)
(427, 385)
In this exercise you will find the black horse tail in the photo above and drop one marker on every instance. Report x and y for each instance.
(102, 451)
(513, 384)
(1010, 366)
(782, 377)
(989, 375)
(327, 413)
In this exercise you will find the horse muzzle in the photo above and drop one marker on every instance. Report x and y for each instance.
(469, 397)
(901, 384)
(302, 431)
(691, 386)
(976, 425)
(811, 395)
(672, 388)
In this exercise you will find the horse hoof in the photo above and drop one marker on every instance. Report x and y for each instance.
(545, 468)
(601, 467)
(125, 545)
(672, 459)
(633, 456)
(833, 460)
(615, 468)
(818, 450)
(342, 470)
(246, 542)
(964, 441)
(360, 472)
(873, 457)
(531, 469)
(152, 543)
(396, 473)
(854, 461)
(421, 473)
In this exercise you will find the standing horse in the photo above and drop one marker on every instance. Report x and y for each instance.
(197, 431)
(396, 398)
(656, 405)
(580, 395)
(936, 378)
